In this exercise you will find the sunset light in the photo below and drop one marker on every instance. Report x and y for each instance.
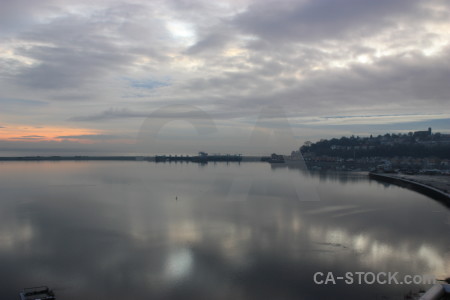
(39, 134)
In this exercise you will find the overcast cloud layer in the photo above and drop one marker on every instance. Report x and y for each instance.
(97, 75)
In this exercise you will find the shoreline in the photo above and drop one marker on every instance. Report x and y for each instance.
(424, 187)
(170, 159)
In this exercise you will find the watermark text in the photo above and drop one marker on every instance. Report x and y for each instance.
(329, 278)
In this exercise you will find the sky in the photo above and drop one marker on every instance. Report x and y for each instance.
(107, 77)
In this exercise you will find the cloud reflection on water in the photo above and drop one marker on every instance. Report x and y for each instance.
(126, 235)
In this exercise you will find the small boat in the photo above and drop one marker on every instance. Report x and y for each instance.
(37, 293)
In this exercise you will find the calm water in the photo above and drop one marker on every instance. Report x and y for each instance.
(139, 230)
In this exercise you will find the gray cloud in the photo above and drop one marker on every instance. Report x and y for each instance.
(16, 15)
(410, 81)
(319, 20)
(92, 137)
(213, 42)
(21, 102)
(33, 136)
(63, 67)
(29, 137)
(110, 114)
(78, 50)
(66, 147)
(195, 7)
(175, 112)
(312, 58)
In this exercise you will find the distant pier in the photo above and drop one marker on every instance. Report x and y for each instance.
(202, 158)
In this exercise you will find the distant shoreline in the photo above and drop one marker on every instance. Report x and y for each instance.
(71, 158)
(414, 183)
(101, 158)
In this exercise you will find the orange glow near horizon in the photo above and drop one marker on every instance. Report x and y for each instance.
(42, 133)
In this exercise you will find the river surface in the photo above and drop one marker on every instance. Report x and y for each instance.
(140, 230)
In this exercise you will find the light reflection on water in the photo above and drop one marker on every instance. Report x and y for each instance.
(116, 230)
